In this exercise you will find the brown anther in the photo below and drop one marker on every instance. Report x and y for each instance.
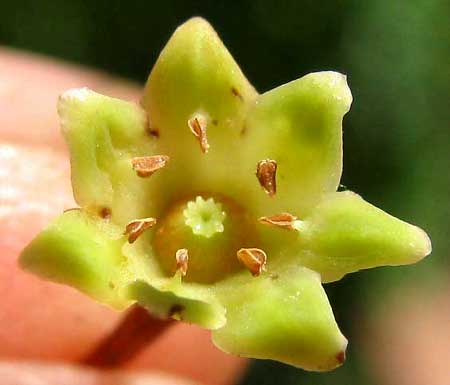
(266, 173)
(253, 259)
(283, 220)
(182, 258)
(147, 165)
(197, 125)
(136, 227)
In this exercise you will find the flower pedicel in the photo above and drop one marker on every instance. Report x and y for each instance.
(221, 203)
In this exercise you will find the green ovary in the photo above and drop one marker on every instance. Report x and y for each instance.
(204, 217)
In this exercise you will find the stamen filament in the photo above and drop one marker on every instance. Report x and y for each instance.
(182, 258)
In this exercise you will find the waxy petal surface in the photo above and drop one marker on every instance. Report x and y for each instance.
(285, 317)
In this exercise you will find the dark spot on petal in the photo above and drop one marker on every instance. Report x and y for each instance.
(105, 212)
(215, 122)
(341, 357)
(243, 130)
(176, 310)
(154, 132)
(236, 93)
(111, 285)
(148, 129)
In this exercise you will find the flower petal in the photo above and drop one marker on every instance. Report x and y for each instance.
(196, 91)
(103, 135)
(344, 234)
(93, 256)
(78, 251)
(299, 126)
(285, 318)
(178, 301)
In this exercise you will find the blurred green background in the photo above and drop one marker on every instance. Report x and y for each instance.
(397, 137)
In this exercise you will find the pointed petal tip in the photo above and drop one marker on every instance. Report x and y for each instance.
(197, 20)
(326, 88)
(196, 23)
(342, 354)
(425, 247)
(418, 247)
(70, 97)
(75, 93)
(340, 357)
(334, 84)
(334, 360)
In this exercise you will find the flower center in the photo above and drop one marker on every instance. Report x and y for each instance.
(204, 217)
(211, 229)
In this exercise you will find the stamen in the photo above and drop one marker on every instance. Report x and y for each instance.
(253, 259)
(197, 125)
(72, 209)
(147, 165)
(266, 174)
(283, 220)
(136, 227)
(182, 258)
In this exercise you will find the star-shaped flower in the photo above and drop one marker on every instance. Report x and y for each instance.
(215, 205)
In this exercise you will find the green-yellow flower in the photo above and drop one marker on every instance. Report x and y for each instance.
(215, 205)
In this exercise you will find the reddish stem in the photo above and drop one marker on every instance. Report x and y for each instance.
(136, 331)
